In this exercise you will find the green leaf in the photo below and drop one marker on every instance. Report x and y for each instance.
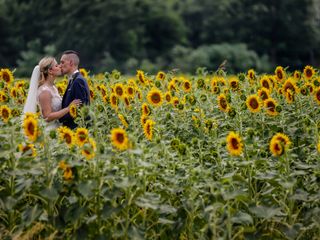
(49, 193)
(265, 212)
(85, 188)
(242, 218)
(30, 215)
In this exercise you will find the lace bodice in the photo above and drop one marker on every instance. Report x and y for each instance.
(56, 98)
(55, 103)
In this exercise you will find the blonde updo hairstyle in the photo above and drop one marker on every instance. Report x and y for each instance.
(45, 64)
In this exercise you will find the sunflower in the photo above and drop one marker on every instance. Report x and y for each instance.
(28, 148)
(251, 74)
(3, 96)
(126, 100)
(103, 90)
(114, 100)
(297, 75)
(5, 113)
(130, 91)
(66, 135)
(317, 95)
(141, 77)
(61, 88)
(280, 73)
(92, 93)
(172, 86)
(308, 72)
(161, 76)
(89, 149)
(30, 127)
(155, 97)
(263, 93)
(223, 103)
(289, 84)
(148, 129)
(73, 111)
(265, 82)
(234, 83)
(143, 119)
(276, 148)
(123, 120)
(234, 144)
(81, 136)
(186, 85)
(84, 72)
(175, 101)
(145, 109)
(67, 174)
(282, 138)
(289, 96)
(168, 96)
(7, 75)
(318, 146)
(14, 92)
(119, 89)
(270, 104)
(119, 138)
(62, 165)
(253, 103)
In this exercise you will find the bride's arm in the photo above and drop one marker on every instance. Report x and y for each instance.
(45, 105)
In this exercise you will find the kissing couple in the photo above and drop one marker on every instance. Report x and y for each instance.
(43, 92)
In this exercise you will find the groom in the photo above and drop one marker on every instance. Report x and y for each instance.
(77, 86)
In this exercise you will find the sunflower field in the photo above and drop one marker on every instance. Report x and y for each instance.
(166, 156)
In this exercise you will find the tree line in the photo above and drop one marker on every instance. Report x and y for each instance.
(161, 35)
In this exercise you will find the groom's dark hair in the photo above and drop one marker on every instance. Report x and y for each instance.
(76, 58)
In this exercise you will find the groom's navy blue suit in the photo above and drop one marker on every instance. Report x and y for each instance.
(77, 89)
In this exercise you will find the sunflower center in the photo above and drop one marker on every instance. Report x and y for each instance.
(155, 98)
(309, 73)
(6, 77)
(120, 137)
(318, 95)
(254, 103)
(30, 128)
(265, 84)
(271, 106)
(119, 91)
(68, 138)
(234, 143)
(279, 75)
(223, 103)
(5, 113)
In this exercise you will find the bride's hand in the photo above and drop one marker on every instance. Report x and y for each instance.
(76, 102)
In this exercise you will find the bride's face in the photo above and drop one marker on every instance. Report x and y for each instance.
(55, 70)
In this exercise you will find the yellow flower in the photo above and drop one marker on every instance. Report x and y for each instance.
(251, 74)
(24, 148)
(290, 84)
(143, 119)
(276, 148)
(123, 120)
(130, 91)
(155, 97)
(186, 85)
(175, 101)
(114, 100)
(141, 77)
(253, 103)
(73, 111)
(161, 76)
(67, 175)
(81, 135)
(223, 103)
(280, 73)
(148, 129)
(145, 109)
(84, 72)
(7, 75)
(297, 75)
(119, 138)
(234, 144)
(263, 93)
(67, 135)
(5, 113)
(270, 105)
(119, 89)
(317, 95)
(63, 165)
(234, 83)
(318, 147)
(265, 82)
(30, 127)
(168, 97)
(89, 149)
(308, 72)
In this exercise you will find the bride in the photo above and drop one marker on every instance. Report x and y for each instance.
(43, 92)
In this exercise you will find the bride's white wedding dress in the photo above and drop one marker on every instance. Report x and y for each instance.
(55, 103)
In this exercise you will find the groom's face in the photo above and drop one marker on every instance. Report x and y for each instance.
(66, 64)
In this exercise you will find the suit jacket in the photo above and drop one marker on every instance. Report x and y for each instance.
(77, 89)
